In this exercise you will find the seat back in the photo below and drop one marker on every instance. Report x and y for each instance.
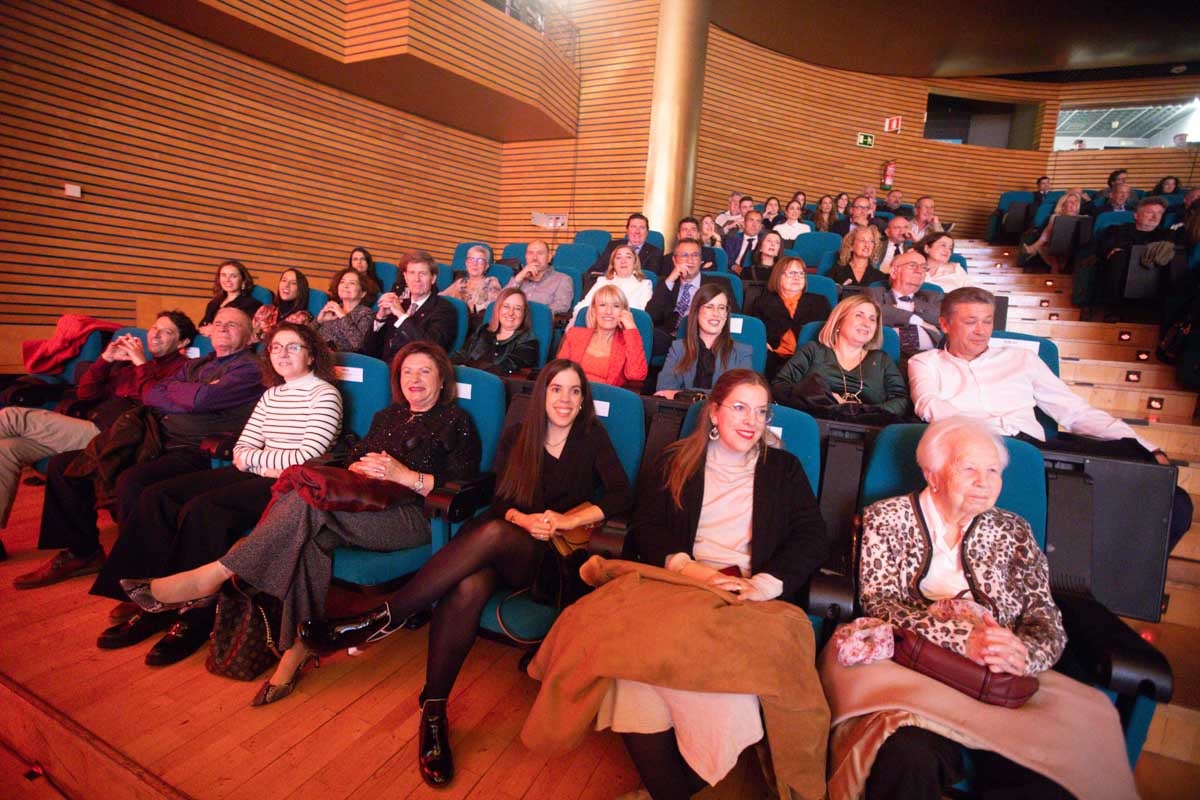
(1108, 219)
(481, 394)
(827, 261)
(263, 295)
(811, 246)
(720, 259)
(960, 259)
(515, 250)
(365, 384)
(200, 347)
(1008, 198)
(1048, 352)
(576, 256)
(797, 432)
(640, 318)
(892, 470)
(819, 284)
(745, 329)
(890, 344)
(541, 321)
(501, 273)
(463, 315)
(657, 239)
(621, 413)
(317, 300)
(388, 273)
(445, 277)
(593, 238)
(925, 287)
(459, 261)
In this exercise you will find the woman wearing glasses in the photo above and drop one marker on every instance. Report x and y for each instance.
(706, 351)
(728, 512)
(785, 308)
(475, 288)
(845, 367)
(191, 520)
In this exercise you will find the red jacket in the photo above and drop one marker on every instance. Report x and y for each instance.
(626, 360)
(71, 331)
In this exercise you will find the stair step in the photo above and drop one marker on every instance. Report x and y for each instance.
(1144, 336)
(1038, 314)
(1188, 548)
(1183, 608)
(1050, 298)
(1118, 372)
(1020, 281)
(1118, 399)
(1183, 570)
(1132, 353)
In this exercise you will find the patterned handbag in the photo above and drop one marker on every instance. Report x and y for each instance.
(243, 638)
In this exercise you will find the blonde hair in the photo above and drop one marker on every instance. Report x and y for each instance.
(610, 292)
(848, 242)
(829, 331)
(612, 260)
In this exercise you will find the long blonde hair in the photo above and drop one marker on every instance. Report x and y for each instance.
(611, 272)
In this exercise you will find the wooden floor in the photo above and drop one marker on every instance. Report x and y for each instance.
(348, 731)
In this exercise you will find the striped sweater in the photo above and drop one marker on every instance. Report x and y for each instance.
(292, 423)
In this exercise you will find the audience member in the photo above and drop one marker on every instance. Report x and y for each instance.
(924, 221)
(1070, 205)
(740, 245)
(290, 304)
(1118, 177)
(345, 322)
(861, 211)
(361, 260)
(111, 385)
(771, 213)
(859, 252)
(1003, 386)
(1118, 200)
(706, 350)
(792, 226)
(842, 203)
(506, 344)
(624, 273)
(937, 249)
(768, 252)
(636, 229)
(539, 281)
(825, 217)
(673, 295)
(420, 442)
(609, 348)
(557, 472)
(231, 288)
(1116, 241)
(689, 228)
(785, 308)
(801, 197)
(1191, 218)
(1168, 185)
(1043, 189)
(845, 372)
(416, 315)
(905, 306)
(204, 397)
(894, 202)
(731, 217)
(192, 519)
(475, 288)
(895, 240)
(710, 236)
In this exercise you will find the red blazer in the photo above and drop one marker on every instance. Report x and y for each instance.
(626, 361)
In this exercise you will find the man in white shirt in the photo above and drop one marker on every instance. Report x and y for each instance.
(895, 237)
(1004, 386)
(732, 217)
(924, 220)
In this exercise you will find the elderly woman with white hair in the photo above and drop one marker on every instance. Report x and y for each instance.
(900, 733)
(473, 287)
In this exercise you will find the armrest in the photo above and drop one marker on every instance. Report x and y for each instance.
(456, 501)
(608, 539)
(219, 446)
(1111, 652)
(830, 596)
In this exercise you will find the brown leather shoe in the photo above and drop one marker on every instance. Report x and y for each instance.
(122, 611)
(62, 566)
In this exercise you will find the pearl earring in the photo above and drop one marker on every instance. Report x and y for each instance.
(713, 433)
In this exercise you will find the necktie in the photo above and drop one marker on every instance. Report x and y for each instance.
(683, 303)
(897, 252)
(906, 298)
(748, 256)
(910, 340)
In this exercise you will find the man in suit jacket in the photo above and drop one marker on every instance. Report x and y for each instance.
(739, 245)
(689, 228)
(894, 202)
(1118, 200)
(673, 294)
(1043, 189)
(895, 241)
(861, 210)
(427, 316)
(907, 308)
(636, 229)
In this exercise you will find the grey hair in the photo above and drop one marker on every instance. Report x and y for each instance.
(933, 452)
(483, 251)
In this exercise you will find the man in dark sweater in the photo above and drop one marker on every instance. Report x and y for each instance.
(208, 396)
(112, 384)
(1117, 240)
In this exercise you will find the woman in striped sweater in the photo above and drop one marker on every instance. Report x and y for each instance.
(193, 519)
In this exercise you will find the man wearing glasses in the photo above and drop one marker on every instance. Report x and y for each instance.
(912, 311)
(673, 294)
(862, 211)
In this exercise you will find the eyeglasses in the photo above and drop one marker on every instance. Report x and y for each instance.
(794, 273)
(715, 309)
(861, 207)
(292, 348)
(688, 256)
(476, 260)
(914, 266)
(762, 414)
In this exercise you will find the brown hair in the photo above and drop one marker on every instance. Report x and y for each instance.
(494, 325)
(322, 356)
(928, 241)
(449, 390)
(683, 458)
(522, 475)
(829, 331)
(823, 221)
(369, 287)
(247, 278)
(722, 346)
(781, 266)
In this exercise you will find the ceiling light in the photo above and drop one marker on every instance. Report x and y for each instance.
(1179, 69)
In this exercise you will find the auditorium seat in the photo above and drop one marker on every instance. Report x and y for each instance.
(961, 260)
(200, 347)
(317, 300)
(641, 319)
(464, 320)
(1108, 219)
(720, 259)
(811, 246)
(541, 321)
(263, 295)
(445, 277)
(501, 273)
(593, 238)
(819, 284)
(579, 256)
(387, 272)
(515, 250)
(745, 329)
(656, 238)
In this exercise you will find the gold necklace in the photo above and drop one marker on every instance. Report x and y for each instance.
(847, 397)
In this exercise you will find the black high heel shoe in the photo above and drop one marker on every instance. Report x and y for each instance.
(138, 590)
(331, 635)
(433, 752)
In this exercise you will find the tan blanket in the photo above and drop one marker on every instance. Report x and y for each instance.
(650, 625)
(1067, 731)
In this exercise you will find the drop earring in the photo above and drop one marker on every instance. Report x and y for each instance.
(713, 434)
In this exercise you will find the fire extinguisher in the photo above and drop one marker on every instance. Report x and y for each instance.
(889, 175)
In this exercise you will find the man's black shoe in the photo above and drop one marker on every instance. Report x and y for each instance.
(184, 638)
(138, 628)
(331, 635)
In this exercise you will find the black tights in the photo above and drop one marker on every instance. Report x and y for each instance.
(660, 765)
(461, 578)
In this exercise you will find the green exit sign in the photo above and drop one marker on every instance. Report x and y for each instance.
(866, 140)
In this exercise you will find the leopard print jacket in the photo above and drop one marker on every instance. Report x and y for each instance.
(1004, 567)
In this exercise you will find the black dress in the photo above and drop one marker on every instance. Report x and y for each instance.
(243, 302)
(841, 273)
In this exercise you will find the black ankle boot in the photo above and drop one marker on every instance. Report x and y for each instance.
(433, 753)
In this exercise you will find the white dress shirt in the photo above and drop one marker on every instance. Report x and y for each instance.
(790, 230)
(889, 252)
(1002, 387)
(636, 292)
(949, 281)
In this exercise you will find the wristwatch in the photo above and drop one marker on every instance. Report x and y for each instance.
(420, 484)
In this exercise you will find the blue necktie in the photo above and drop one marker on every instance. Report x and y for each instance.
(683, 303)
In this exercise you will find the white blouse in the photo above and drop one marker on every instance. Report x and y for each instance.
(636, 292)
(945, 578)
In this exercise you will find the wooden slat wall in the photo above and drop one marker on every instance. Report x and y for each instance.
(317, 24)
(376, 28)
(598, 178)
(801, 134)
(189, 153)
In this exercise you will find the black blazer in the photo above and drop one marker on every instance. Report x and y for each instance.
(774, 314)
(650, 256)
(435, 321)
(842, 226)
(788, 540)
(661, 306)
